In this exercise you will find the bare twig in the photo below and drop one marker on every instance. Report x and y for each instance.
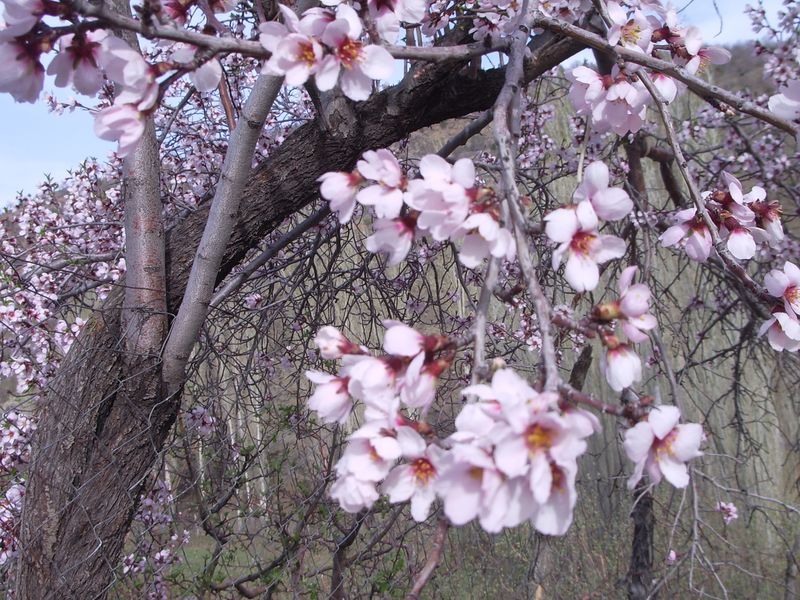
(435, 556)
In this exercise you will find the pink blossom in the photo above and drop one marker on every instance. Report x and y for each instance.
(667, 87)
(563, 223)
(634, 32)
(392, 237)
(691, 231)
(331, 399)
(332, 344)
(125, 66)
(77, 62)
(201, 420)
(402, 340)
(388, 14)
(354, 494)
(21, 73)
(767, 216)
(177, 10)
(294, 55)
(418, 385)
(438, 216)
(444, 196)
(706, 56)
(386, 195)
(370, 453)
(786, 104)
(614, 101)
(621, 366)
(783, 331)
(361, 64)
(729, 511)
(634, 304)
(485, 237)
(452, 181)
(415, 481)
(252, 301)
(740, 241)
(587, 89)
(513, 396)
(609, 203)
(662, 446)
(785, 285)
(371, 379)
(340, 189)
(123, 123)
(470, 485)
(585, 250)
(316, 19)
(527, 447)
(623, 108)
(207, 76)
(21, 15)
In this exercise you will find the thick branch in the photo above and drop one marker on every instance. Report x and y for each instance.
(217, 232)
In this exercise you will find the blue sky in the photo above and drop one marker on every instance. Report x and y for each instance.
(35, 141)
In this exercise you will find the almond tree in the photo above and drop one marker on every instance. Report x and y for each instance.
(231, 121)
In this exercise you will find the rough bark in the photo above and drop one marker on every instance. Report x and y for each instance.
(99, 438)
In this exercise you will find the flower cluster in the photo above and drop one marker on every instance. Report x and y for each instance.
(742, 220)
(10, 512)
(446, 202)
(512, 458)
(201, 420)
(15, 433)
(575, 228)
(15, 441)
(325, 43)
(617, 101)
(407, 374)
(621, 365)
(405, 377)
(729, 511)
(783, 327)
(661, 446)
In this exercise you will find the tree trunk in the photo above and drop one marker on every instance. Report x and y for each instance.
(640, 573)
(102, 425)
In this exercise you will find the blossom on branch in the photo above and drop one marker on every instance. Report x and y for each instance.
(661, 446)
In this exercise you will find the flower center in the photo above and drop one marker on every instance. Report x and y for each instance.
(538, 438)
(582, 242)
(423, 470)
(664, 446)
(305, 53)
(349, 53)
(631, 32)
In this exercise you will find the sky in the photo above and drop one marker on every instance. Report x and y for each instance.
(34, 141)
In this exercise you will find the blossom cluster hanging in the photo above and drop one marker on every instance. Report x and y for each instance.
(617, 101)
(742, 220)
(575, 228)
(447, 202)
(513, 455)
(326, 43)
